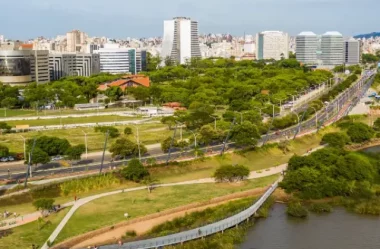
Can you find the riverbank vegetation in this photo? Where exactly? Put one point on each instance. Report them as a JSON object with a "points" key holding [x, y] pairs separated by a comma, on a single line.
{"points": [[335, 172]]}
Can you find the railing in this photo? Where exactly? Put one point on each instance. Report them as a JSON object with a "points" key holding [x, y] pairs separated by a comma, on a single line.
{"points": [[199, 232]]}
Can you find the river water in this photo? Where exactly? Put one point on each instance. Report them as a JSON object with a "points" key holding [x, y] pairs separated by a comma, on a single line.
{"points": [[337, 230], [375, 149]]}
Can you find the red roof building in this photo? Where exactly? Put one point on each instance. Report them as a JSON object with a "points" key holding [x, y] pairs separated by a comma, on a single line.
{"points": [[128, 81]]}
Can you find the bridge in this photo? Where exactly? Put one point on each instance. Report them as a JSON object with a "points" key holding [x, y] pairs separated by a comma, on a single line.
{"points": [[200, 232]]}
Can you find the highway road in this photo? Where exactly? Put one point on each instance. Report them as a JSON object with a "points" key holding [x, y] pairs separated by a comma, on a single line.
{"points": [[336, 109]]}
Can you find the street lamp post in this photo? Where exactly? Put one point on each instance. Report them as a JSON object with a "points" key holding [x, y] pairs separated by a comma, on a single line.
{"points": [[138, 140], [23, 138], [180, 128], [316, 116], [195, 142], [214, 122], [85, 142]]}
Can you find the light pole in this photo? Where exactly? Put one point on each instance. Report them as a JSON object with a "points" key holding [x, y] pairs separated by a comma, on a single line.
{"points": [[138, 140], [85, 142], [273, 109], [180, 128], [214, 122], [195, 143], [23, 138], [280, 104]]}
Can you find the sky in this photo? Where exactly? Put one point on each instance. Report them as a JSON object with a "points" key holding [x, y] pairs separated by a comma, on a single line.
{"points": [[144, 18]]}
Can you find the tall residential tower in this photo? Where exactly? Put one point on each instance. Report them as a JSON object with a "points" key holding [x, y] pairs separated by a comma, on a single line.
{"points": [[180, 41], [306, 48], [272, 45]]}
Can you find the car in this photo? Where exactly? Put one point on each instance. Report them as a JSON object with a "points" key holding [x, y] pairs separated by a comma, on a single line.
{"points": [[11, 158], [4, 159], [56, 158]]}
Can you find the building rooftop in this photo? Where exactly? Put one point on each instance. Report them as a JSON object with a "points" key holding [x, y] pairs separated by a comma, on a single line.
{"points": [[307, 33], [332, 33]]}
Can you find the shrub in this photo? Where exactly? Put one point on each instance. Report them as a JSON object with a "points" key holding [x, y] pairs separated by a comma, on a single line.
{"points": [[296, 209], [359, 132], [336, 139], [131, 233], [231, 173], [43, 204], [85, 185], [320, 208], [135, 171], [127, 130], [124, 147]]}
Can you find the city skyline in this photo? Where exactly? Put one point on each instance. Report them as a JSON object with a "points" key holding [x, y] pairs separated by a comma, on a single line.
{"points": [[51, 18]]}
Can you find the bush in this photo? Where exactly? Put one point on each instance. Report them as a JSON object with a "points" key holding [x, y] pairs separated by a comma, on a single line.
{"points": [[43, 204], [113, 132], [124, 147], [320, 208], [296, 209], [127, 130], [359, 132], [336, 139], [135, 171], [231, 173], [131, 234]]}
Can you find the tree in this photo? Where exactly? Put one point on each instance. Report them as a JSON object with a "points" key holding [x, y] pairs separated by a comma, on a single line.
{"points": [[112, 131], [207, 133], [114, 93], [165, 145], [39, 156], [355, 167], [245, 134], [359, 132], [150, 183], [140, 93], [336, 139], [75, 152], [231, 173], [52, 146], [135, 171], [9, 102], [376, 125], [124, 147], [152, 62], [128, 131], [169, 121], [4, 128], [4, 151], [297, 162], [43, 204]]}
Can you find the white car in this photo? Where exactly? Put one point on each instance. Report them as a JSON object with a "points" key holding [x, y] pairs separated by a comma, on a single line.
{"points": [[57, 158]]}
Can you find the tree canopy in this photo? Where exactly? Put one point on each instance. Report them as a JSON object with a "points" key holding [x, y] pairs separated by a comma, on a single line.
{"points": [[135, 171]]}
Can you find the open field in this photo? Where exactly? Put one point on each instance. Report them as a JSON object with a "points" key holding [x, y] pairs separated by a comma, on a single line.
{"points": [[30, 112], [110, 210], [27, 235], [148, 133], [66, 121]]}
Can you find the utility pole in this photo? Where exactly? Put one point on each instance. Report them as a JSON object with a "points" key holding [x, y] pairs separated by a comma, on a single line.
{"points": [[29, 168], [104, 151]]}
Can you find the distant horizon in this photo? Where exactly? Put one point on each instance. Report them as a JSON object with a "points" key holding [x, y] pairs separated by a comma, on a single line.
{"points": [[120, 19]]}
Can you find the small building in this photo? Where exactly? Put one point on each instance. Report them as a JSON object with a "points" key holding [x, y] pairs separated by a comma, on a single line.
{"points": [[127, 81], [154, 111], [91, 106]]}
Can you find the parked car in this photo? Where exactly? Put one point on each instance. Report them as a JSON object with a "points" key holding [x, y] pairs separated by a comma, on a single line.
{"points": [[56, 158], [4, 159], [11, 158]]}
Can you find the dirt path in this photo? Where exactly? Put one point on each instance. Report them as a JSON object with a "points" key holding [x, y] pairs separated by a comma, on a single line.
{"points": [[144, 225]]}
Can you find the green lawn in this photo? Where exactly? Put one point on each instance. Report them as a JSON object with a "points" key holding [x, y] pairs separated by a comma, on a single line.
{"points": [[110, 210], [29, 112], [66, 121], [148, 133], [27, 235]]}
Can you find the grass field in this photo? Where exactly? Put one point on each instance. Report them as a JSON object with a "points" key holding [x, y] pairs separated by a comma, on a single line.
{"points": [[66, 121], [27, 235], [29, 112], [110, 210], [148, 133]]}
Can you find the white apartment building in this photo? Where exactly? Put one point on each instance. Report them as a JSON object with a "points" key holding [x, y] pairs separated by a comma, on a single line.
{"points": [[272, 45], [116, 60], [332, 48], [180, 40], [39, 66], [352, 52], [306, 48], [76, 41]]}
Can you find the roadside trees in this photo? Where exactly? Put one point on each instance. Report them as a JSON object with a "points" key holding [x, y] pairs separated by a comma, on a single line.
{"points": [[135, 171], [245, 134], [359, 132], [128, 131], [113, 132], [44, 204], [39, 156], [124, 147], [75, 152]]}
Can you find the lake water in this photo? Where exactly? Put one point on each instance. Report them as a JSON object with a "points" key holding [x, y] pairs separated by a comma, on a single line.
{"points": [[337, 230], [375, 149]]}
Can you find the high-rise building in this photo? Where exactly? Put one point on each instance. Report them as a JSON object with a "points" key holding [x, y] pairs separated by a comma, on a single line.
{"points": [[306, 48], [39, 66], [332, 48], [352, 52], [76, 41], [180, 41], [74, 64], [272, 45], [117, 60]]}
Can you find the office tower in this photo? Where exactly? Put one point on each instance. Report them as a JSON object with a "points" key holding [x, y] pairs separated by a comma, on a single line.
{"points": [[39, 66], [332, 49], [306, 48], [76, 41], [141, 63], [15, 67], [180, 41], [272, 45], [352, 51], [74, 64], [249, 46]]}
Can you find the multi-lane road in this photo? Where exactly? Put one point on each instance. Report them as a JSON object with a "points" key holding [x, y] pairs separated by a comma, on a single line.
{"points": [[336, 109]]}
